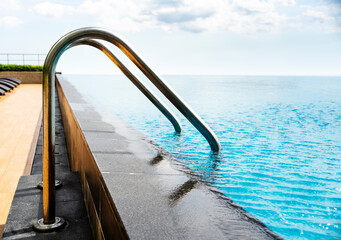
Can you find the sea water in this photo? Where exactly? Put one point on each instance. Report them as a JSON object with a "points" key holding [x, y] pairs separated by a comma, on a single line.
{"points": [[280, 137]]}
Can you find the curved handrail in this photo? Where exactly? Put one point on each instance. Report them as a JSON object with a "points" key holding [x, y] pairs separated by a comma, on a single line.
{"points": [[49, 220], [143, 88]]}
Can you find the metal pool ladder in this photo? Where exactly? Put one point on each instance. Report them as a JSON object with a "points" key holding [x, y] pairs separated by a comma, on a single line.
{"points": [[86, 36]]}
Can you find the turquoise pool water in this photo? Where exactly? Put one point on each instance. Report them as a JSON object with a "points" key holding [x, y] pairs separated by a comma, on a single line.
{"points": [[280, 137]]}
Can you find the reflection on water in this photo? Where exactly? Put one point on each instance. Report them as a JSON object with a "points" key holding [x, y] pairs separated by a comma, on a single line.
{"points": [[280, 137], [156, 159], [182, 191]]}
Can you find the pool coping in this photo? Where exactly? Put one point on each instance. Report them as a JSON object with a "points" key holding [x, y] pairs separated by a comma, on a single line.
{"points": [[134, 189]]}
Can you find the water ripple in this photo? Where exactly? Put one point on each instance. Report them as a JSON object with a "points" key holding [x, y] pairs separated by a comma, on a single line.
{"points": [[281, 141]]}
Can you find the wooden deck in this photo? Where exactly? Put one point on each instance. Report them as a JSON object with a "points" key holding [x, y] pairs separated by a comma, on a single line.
{"points": [[20, 120]]}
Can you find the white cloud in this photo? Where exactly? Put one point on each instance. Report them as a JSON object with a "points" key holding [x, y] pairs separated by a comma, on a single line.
{"points": [[10, 22], [246, 17], [54, 10], [124, 15], [9, 5], [252, 6], [317, 16], [285, 2], [325, 18], [254, 16], [187, 15], [183, 14]]}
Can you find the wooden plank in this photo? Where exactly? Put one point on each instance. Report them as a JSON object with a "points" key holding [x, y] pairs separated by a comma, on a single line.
{"points": [[2, 227], [30, 157], [20, 120]]}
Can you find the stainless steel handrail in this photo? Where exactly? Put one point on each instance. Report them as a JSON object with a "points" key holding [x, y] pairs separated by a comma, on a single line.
{"points": [[49, 220], [143, 88]]}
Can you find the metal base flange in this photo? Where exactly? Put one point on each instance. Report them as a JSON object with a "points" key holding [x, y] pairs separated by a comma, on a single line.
{"points": [[40, 226], [58, 184]]}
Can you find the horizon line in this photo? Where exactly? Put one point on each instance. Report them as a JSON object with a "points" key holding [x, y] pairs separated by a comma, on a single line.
{"points": [[210, 74]]}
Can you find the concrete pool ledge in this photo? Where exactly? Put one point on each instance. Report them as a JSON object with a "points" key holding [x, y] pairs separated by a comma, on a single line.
{"points": [[134, 189]]}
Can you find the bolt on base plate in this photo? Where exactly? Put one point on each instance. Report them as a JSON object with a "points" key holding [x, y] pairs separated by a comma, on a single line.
{"points": [[40, 226], [58, 183]]}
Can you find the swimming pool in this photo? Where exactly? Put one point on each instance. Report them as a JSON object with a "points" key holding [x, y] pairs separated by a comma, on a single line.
{"points": [[280, 137]]}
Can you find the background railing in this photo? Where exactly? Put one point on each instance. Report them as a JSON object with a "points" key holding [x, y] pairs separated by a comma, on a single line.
{"points": [[22, 58]]}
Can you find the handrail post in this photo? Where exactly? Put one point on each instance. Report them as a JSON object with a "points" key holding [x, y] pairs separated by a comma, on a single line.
{"points": [[49, 222]]}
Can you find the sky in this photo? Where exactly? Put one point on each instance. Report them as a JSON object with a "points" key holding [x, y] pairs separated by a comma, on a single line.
{"points": [[216, 37]]}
